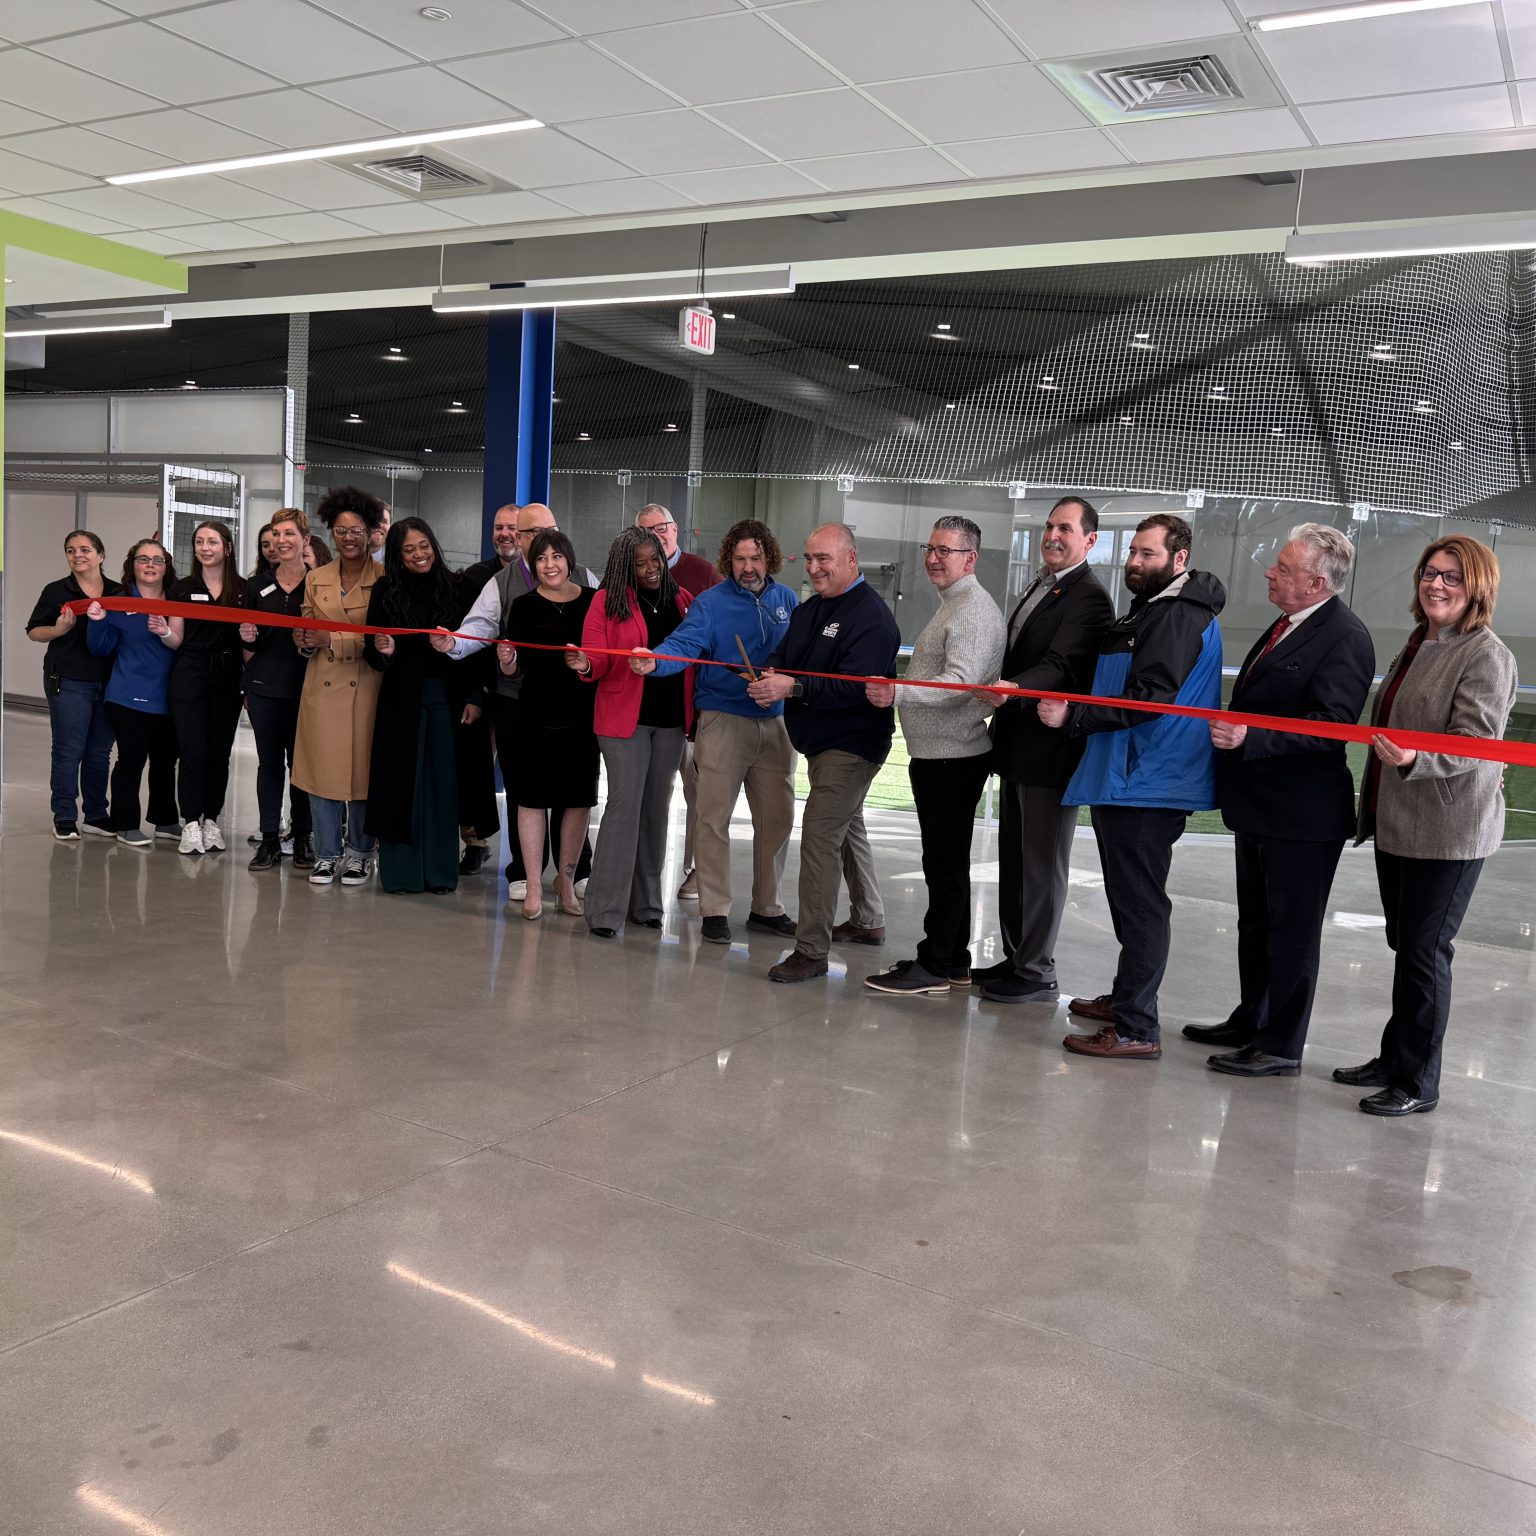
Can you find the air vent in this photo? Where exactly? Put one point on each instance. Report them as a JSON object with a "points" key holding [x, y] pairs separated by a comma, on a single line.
{"points": [[428, 176], [1168, 85]]}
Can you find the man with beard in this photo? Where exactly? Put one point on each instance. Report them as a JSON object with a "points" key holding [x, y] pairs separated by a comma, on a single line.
{"points": [[1143, 773]]}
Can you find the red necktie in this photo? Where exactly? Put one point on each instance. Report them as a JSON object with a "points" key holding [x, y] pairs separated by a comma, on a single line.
{"points": [[1275, 635]]}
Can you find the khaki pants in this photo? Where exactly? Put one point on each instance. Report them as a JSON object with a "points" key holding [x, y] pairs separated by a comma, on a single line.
{"points": [[833, 844], [732, 752]]}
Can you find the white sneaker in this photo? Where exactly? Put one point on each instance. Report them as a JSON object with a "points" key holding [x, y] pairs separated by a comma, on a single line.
{"points": [[213, 839], [191, 838], [517, 890]]}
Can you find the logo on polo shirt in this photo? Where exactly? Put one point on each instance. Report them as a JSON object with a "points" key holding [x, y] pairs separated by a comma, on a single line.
{"points": [[830, 632]]}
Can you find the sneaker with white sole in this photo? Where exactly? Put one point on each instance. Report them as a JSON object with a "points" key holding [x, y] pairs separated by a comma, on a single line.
{"points": [[323, 873], [168, 831], [517, 890], [355, 869], [100, 827], [213, 839], [66, 832], [191, 838], [135, 837]]}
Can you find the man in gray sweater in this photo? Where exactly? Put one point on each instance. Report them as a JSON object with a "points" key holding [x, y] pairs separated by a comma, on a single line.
{"points": [[950, 751]]}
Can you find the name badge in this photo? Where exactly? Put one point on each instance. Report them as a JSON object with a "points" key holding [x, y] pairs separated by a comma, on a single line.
{"points": [[268, 591], [200, 597]]}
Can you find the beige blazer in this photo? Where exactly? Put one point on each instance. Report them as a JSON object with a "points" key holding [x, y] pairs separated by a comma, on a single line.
{"points": [[341, 692], [1441, 806]]}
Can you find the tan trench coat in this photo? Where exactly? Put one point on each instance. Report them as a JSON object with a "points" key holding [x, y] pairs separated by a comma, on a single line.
{"points": [[341, 692]]}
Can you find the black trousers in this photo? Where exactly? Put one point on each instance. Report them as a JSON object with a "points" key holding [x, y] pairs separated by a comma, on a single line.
{"points": [[205, 704], [1135, 854], [945, 791], [274, 724], [474, 763], [142, 737], [1425, 901], [506, 714], [1282, 898]]}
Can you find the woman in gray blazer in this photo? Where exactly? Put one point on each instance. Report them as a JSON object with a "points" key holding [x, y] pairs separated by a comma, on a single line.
{"points": [[1435, 816]]}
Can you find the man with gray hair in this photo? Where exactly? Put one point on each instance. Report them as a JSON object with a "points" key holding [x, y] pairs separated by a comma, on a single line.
{"points": [[1289, 800]]}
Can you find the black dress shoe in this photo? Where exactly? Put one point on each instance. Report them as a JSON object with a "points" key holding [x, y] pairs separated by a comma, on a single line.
{"points": [[1219, 1034], [1018, 989], [1252, 1062], [999, 972], [648, 922], [603, 933], [1371, 1075], [1395, 1101], [783, 924]]}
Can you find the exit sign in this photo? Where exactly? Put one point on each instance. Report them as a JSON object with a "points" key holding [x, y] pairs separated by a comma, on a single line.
{"points": [[696, 328]]}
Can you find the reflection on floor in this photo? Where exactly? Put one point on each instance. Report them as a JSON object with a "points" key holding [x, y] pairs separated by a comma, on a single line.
{"points": [[328, 1211]]}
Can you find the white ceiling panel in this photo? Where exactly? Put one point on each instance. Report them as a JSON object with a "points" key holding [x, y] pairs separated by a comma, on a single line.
{"points": [[1473, 109], [793, 127], [587, 16], [660, 142], [503, 208], [294, 119], [906, 37], [1527, 91], [306, 226], [1036, 154], [44, 85], [121, 204], [476, 26], [416, 99], [894, 168], [34, 208], [404, 218], [636, 195], [561, 82], [25, 21], [1209, 134], [542, 157], [981, 103], [81, 150], [313, 185], [162, 245], [1054, 29], [147, 7], [744, 184], [1387, 55], [21, 174], [719, 58], [182, 135], [217, 197], [145, 58], [221, 237], [19, 120], [287, 38], [1520, 26]]}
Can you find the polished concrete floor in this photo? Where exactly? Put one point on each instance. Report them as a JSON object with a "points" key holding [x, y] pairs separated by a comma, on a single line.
{"points": [[327, 1211]]}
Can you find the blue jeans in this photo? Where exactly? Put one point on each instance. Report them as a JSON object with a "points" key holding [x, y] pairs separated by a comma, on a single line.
{"points": [[82, 748], [327, 816]]}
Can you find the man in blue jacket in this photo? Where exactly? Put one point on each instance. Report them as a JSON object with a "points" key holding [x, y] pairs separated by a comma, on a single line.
{"points": [[844, 628], [738, 743], [1144, 773]]}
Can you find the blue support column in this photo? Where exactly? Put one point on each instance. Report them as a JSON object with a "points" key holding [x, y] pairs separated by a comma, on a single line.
{"points": [[519, 411]]}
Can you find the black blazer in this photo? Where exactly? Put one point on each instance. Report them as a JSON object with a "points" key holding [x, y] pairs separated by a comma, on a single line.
{"points": [[1058, 647], [1298, 788]]}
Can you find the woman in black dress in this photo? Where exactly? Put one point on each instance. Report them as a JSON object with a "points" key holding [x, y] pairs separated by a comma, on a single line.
{"points": [[557, 749]]}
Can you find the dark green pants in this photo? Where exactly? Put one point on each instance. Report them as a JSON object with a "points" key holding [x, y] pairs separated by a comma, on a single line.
{"points": [[430, 861]]}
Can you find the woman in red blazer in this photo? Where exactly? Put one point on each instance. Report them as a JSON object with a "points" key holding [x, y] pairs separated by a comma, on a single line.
{"points": [[641, 723]]}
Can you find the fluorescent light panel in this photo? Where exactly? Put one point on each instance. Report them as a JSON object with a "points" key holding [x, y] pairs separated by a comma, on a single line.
{"points": [[644, 290], [324, 152], [79, 325], [1422, 240], [1365, 8]]}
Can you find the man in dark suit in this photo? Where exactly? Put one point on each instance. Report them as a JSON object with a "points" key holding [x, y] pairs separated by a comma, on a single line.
{"points": [[1053, 642], [1289, 800]]}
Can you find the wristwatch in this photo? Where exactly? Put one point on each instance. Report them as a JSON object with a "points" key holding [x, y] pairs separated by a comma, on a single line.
{"points": [[797, 690]]}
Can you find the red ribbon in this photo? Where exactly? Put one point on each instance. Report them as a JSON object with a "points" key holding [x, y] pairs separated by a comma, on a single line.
{"points": [[1518, 753]]}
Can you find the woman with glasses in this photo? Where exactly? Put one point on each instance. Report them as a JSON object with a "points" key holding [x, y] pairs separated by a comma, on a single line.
{"points": [[143, 650], [1435, 816], [74, 682]]}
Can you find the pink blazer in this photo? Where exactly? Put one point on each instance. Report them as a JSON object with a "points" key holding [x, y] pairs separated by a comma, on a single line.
{"points": [[617, 707]]}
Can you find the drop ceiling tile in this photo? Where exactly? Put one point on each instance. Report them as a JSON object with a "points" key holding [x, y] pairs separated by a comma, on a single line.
{"points": [[81, 150], [744, 184], [146, 7], [894, 168], [217, 197], [589, 16], [35, 208], [222, 237], [477, 26], [20, 174], [1211, 134], [405, 218], [182, 135], [1386, 54], [542, 157], [313, 185], [1520, 26], [561, 82], [417, 99], [1527, 91], [26, 21], [794, 126], [503, 208], [162, 245], [661, 142], [722, 58], [306, 227], [634, 195], [146, 58], [127, 207], [906, 38], [287, 38], [41, 84], [294, 119], [1472, 109], [981, 103], [1037, 154], [20, 120], [1053, 29]]}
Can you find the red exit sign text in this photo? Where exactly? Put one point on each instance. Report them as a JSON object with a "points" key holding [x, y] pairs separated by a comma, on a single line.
{"points": [[696, 329]]}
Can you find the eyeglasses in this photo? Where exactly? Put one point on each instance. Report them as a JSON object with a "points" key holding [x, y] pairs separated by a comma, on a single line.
{"points": [[149, 559], [943, 551], [1450, 580], [651, 528]]}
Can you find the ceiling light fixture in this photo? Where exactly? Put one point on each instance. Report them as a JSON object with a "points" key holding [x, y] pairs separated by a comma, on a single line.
{"points": [[1457, 447], [942, 336], [949, 405], [727, 316], [1420, 240], [322, 152], [190, 384], [584, 437], [82, 325], [1127, 421], [645, 290], [1359, 11], [1423, 408], [943, 325], [1142, 341], [435, 13], [853, 367], [671, 426], [354, 417]]}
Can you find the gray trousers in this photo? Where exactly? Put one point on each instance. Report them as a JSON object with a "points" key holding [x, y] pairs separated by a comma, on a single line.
{"points": [[632, 837], [833, 846], [1034, 856]]}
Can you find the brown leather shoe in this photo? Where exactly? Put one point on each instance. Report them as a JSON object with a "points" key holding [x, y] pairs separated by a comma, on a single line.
{"points": [[797, 967], [851, 933], [1092, 1008], [1110, 1042]]}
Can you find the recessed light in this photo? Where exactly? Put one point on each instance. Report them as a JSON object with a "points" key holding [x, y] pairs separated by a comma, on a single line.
{"points": [[727, 316], [1458, 447], [584, 437], [1423, 408], [1048, 382], [949, 405], [190, 384], [853, 367], [1143, 342], [943, 325], [395, 350], [671, 426], [1127, 421], [354, 417], [1277, 431], [426, 450], [459, 403]]}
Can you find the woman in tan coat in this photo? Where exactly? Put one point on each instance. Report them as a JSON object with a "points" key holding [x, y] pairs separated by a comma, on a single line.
{"points": [[341, 692]]}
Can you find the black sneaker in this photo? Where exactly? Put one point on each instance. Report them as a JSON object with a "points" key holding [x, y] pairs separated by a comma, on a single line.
{"points": [[323, 873], [303, 850], [717, 930], [100, 827], [66, 832], [475, 857], [783, 924], [908, 979], [268, 855]]}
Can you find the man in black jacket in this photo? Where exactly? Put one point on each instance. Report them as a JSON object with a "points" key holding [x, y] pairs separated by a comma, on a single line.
{"points": [[844, 628], [1289, 800], [1053, 642]]}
